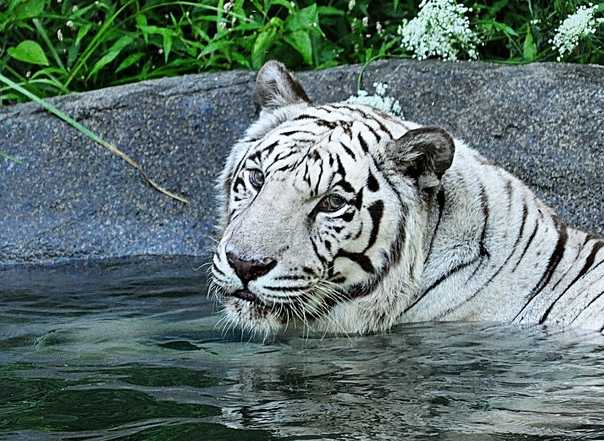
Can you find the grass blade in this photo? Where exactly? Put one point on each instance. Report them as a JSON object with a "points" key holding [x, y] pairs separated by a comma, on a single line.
{"points": [[93, 136], [9, 158]]}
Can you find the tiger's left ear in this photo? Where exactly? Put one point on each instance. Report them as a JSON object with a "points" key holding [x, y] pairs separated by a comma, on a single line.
{"points": [[424, 154], [276, 87]]}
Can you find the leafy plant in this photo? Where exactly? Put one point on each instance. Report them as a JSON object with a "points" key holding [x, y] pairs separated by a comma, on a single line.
{"points": [[52, 47]]}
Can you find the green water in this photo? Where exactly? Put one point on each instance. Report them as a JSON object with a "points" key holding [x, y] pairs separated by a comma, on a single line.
{"points": [[130, 350]]}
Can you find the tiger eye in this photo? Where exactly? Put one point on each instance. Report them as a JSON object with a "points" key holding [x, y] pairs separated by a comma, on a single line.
{"points": [[257, 179], [332, 202]]}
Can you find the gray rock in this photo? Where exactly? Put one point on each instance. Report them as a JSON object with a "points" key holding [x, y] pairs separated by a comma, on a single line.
{"points": [[71, 199]]}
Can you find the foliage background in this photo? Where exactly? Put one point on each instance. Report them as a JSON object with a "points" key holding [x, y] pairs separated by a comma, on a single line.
{"points": [[54, 47]]}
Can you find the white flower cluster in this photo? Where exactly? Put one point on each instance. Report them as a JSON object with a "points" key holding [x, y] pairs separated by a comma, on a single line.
{"points": [[378, 101], [575, 27], [441, 29]]}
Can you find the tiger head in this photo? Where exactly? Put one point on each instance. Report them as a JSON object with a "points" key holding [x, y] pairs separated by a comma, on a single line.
{"points": [[323, 213]]}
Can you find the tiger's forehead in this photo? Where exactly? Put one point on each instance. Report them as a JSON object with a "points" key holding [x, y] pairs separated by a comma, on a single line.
{"points": [[338, 129], [323, 145]]}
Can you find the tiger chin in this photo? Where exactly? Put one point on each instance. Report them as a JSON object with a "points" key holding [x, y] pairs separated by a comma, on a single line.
{"points": [[341, 219]]}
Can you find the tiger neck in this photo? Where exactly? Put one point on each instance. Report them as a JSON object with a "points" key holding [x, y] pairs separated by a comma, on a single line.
{"points": [[493, 250]]}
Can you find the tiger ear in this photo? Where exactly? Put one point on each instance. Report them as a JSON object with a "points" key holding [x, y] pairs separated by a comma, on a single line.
{"points": [[424, 154], [276, 87]]}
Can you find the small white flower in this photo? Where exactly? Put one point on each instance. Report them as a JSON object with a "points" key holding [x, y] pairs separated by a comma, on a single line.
{"points": [[379, 29], [378, 101], [59, 34], [351, 5], [380, 88], [28, 74], [574, 28], [227, 7], [69, 24], [160, 51], [365, 21], [75, 8], [441, 29]]}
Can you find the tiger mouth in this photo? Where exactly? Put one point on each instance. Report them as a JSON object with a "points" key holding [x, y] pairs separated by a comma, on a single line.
{"points": [[246, 294], [251, 298], [283, 311]]}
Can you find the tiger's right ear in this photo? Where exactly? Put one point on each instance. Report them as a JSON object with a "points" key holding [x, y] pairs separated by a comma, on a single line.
{"points": [[424, 154], [276, 87]]}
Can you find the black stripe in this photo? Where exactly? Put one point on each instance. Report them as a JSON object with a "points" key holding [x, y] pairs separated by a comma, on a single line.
{"points": [[588, 263], [570, 268], [292, 277], [553, 262], [362, 260], [383, 128], [358, 200], [308, 270], [507, 260], [484, 203], [522, 225], [376, 211], [319, 256], [286, 288], [482, 248], [372, 183], [444, 277], [363, 143], [346, 186], [373, 132], [441, 206], [528, 244], [347, 150], [587, 306]]}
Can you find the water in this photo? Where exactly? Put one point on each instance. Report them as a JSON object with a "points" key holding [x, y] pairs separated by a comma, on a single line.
{"points": [[129, 350]]}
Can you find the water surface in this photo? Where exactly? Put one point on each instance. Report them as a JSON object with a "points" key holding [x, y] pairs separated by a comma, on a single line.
{"points": [[130, 350]]}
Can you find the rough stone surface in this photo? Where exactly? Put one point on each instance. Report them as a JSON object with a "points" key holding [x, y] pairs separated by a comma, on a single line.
{"points": [[71, 199]]}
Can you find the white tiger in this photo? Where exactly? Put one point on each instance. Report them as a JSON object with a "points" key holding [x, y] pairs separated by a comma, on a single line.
{"points": [[340, 218]]}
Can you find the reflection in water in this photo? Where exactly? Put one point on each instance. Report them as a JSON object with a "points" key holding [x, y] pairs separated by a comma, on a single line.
{"points": [[129, 350]]}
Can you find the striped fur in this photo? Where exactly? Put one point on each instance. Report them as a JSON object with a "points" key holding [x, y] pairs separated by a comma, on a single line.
{"points": [[418, 238]]}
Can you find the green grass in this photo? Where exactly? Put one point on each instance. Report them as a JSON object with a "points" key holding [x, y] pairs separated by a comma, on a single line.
{"points": [[50, 47]]}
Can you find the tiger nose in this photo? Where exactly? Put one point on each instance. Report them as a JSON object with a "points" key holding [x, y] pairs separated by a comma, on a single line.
{"points": [[250, 269]]}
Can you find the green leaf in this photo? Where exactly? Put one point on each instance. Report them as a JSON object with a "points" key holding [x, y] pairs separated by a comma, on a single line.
{"points": [[30, 52], [82, 33], [300, 40], [529, 50], [167, 40], [29, 9], [263, 42], [111, 54], [129, 61], [214, 46], [141, 22], [305, 19], [330, 10], [283, 3]]}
